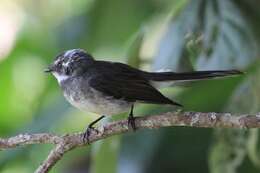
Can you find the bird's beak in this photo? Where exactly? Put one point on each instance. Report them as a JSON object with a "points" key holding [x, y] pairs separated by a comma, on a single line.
{"points": [[48, 69]]}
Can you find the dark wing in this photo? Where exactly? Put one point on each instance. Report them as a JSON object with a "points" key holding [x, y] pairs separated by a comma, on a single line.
{"points": [[122, 82]]}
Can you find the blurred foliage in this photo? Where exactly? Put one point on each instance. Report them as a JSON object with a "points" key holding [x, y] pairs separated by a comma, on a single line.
{"points": [[180, 35]]}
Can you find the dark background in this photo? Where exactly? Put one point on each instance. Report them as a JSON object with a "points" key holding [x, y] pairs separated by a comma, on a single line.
{"points": [[180, 35]]}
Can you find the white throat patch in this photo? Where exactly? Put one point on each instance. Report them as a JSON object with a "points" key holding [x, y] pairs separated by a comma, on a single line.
{"points": [[59, 77]]}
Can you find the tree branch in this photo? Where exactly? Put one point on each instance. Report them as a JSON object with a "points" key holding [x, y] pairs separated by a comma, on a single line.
{"points": [[68, 142]]}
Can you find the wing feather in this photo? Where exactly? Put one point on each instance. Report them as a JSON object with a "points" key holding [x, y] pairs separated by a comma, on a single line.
{"points": [[124, 83]]}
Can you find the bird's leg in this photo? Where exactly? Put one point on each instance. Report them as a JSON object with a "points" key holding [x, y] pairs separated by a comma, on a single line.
{"points": [[131, 119], [90, 127]]}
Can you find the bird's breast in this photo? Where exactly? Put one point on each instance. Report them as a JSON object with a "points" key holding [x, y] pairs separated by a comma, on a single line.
{"points": [[87, 99]]}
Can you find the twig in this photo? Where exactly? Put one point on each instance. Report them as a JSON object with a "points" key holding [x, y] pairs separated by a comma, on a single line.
{"points": [[68, 142]]}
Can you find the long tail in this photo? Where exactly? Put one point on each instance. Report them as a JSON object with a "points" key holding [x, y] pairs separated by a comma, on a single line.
{"points": [[196, 75]]}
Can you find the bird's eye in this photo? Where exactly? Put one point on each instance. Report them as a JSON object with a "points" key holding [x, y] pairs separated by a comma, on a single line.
{"points": [[59, 64]]}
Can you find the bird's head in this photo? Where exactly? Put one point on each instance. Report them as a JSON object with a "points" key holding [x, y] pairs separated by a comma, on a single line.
{"points": [[70, 63]]}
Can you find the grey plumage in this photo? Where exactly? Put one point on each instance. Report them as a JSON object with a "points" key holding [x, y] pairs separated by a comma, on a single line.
{"points": [[81, 95], [109, 88]]}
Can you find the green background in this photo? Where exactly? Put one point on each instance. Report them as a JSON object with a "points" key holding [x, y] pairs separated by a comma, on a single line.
{"points": [[180, 35]]}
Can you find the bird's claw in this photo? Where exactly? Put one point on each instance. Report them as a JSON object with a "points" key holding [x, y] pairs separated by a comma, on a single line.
{"points": [[131, 123], [87, 134]]}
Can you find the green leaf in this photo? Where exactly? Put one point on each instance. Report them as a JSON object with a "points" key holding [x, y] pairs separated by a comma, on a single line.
{"points": [[228, 42], [172, 54], [226, 39], [133, 50]]}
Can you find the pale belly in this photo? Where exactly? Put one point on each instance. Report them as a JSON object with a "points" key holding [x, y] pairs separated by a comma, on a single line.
{"points": [[95, 102]]}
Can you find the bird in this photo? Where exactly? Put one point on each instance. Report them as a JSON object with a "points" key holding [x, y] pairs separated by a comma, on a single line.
{"points": [[109, 88]]}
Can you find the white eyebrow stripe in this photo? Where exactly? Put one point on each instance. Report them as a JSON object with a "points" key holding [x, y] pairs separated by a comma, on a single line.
{"points": [[68, 53]]}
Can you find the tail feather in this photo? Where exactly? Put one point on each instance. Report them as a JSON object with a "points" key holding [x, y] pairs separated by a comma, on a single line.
{"points": [[196, 75]]}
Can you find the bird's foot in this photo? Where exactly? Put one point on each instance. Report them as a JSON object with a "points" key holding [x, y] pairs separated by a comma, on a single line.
{"points": [[87, 134], [89, 130], [131, 123]]}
